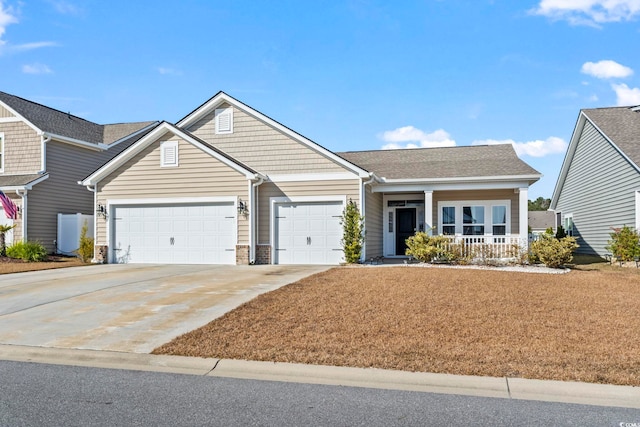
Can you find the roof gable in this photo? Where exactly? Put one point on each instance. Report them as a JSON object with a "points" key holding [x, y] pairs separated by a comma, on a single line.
{"points": [[619, 126], [159, 131], [222, 98], [480, 161]]}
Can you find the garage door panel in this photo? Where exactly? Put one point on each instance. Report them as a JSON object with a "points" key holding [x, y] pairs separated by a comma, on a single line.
{"points": [[184, 234], [308, 233]]}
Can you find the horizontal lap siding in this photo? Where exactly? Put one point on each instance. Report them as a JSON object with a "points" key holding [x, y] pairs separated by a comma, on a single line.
{"points": [[348, 188], [452, 196], [21, 149], [599, 190], [374, 223], [263, 147], [198, 175]]}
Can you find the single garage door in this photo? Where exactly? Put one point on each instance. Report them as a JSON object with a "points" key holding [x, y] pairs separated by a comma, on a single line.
{"points": [[175, 234], [308, 233]]}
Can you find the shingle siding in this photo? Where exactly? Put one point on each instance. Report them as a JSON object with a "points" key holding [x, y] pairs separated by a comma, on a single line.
{"points": [[198, 175], [599, 190], [4, 112], [21, 149], [263, 147]]}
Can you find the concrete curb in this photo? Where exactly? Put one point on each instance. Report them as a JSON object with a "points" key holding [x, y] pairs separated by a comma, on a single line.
{"points": [[513, 388]]}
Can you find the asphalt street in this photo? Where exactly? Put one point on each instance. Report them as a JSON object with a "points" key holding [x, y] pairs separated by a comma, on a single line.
{"points": [[53, 395]]}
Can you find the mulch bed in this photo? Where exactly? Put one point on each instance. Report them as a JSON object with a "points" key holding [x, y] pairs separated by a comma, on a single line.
{"points": [[581, 326], [13, 265]]}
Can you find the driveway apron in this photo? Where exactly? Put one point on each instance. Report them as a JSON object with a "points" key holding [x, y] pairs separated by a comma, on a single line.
{"points": [[129, 308]]}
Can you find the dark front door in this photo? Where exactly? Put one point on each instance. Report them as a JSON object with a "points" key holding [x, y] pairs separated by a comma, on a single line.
{"points": [[405, 228]]}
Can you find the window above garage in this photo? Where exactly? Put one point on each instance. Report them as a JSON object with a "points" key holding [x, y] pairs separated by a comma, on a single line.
{"points": [[169, 154]]}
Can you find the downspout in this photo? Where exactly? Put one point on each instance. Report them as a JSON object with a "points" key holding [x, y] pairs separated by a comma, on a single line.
{"points": [[253, 219], [43, 153], [24, 213], [363, 197], [93, 189]]}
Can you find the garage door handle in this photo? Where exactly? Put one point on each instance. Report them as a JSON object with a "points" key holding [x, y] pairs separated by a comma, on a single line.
{"points": [[172, 241], [308, 240]]}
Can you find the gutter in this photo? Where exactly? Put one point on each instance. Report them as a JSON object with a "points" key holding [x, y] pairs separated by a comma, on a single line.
{"points": [[43, 152]]}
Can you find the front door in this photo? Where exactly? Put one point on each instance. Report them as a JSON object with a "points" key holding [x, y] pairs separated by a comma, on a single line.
{"points": [[405, 228]]}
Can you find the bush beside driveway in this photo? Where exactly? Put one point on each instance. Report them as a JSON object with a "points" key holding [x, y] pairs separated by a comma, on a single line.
{"points": [[581, 326]]}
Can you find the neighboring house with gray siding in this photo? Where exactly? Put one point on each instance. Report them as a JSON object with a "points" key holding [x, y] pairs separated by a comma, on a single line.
{"points": [[230, 185], [599, 184], [43, 154]]}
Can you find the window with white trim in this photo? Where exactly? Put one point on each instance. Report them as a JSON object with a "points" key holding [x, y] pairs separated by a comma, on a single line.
{"points": [[1, 152], [224, 120], [475, 218], [568, 224], [169, 154]]}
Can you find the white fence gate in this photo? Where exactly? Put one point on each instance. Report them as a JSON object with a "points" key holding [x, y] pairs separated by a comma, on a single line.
{"points": [[69, 228]]}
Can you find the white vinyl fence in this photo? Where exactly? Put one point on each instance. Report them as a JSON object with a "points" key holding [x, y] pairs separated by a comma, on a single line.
{"points": [[69, 228]]}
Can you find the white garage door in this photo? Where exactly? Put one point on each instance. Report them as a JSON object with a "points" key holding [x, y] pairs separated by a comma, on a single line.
{"points": [[308, 233], [175, 234]]}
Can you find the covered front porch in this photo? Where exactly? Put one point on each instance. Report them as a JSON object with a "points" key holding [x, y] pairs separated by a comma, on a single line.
{"points": [[479, 222]]}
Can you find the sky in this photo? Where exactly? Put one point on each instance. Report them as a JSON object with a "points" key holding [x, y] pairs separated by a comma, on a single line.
{"points": [[349, 75]]}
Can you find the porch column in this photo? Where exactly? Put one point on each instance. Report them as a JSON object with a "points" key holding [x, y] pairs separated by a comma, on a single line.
{"points": [[523, 216], [428, 212]]}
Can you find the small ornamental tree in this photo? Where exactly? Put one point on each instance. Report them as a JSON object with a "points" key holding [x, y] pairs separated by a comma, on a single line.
{"points": [[85, 248], [352, 233], [624, 243], [4, 229]]}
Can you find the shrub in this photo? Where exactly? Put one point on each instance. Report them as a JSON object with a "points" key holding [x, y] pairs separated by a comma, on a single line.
{"points": [[427, 248], [352, 233], [28, 251], [85, 248], [624, 243], [553, 252], [560, 233]]}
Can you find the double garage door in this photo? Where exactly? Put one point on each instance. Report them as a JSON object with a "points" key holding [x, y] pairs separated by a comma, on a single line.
{"points": [[308, 233], [175, 234]]}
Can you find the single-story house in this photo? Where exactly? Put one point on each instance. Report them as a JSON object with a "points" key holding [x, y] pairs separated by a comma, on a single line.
{"points": [[599, 184], [228, 184], [43, 154]]}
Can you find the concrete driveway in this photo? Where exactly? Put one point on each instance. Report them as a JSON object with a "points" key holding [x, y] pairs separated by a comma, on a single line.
{"points": [[129, 308]]}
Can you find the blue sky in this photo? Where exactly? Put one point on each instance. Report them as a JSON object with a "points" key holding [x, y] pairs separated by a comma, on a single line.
{"points": [[350, 75]]}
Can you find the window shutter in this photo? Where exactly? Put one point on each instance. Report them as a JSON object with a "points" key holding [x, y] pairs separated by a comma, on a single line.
{"points": [[224, 120]]}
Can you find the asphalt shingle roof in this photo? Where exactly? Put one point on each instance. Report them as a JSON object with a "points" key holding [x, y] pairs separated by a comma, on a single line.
{"points": [[621, 125], [17, 180], [64, 124], [438, 163]]}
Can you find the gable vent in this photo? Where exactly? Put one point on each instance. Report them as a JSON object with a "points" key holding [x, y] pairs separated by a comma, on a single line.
{"points": [[224, 120], [169, 154]]}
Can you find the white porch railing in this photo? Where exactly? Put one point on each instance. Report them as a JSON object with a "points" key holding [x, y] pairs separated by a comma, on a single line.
{"points": [[486, 247]]}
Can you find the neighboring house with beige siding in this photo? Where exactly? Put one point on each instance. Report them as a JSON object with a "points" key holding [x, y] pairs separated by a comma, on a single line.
{"points": [[599, 184], [228, 184], [43, 154]]}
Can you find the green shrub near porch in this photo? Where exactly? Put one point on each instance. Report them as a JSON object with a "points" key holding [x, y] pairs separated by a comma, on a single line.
{"points": [[426, 248], [27, 251]]}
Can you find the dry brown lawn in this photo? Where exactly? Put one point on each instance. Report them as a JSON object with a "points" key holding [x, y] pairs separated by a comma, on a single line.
{"points": [[10, 265], [581, 326]]}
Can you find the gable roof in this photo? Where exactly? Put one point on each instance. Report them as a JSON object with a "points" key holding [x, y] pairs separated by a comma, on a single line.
{"points": [[620, 126], [222, 98], [478, 161], [152, 136], [57, 123]]}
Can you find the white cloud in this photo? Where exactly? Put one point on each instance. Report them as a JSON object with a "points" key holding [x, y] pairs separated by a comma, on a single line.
{"points": [[537, 148], [7, 18], [589, 12], [169, 71], [415, 138], [626, 95], [606, 69], [36, 69], [65, 7]]}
